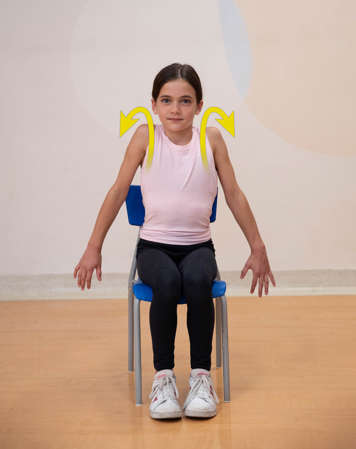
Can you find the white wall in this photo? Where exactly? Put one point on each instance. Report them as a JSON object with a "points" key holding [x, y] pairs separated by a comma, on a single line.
{"points": [[69, 68]]}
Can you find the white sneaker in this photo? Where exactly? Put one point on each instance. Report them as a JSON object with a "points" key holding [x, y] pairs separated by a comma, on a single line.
{"points": [[202, 398], [164, 396]]}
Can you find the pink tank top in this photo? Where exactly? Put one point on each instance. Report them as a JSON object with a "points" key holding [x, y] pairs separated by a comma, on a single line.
{"points": [[177, 191]]}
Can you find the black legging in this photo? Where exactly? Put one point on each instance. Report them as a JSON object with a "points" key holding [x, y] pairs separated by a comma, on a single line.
{"points": [[173, 271]]}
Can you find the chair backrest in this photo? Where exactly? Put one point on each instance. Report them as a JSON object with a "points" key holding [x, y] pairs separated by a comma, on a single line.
{"points": [[136, 210]]}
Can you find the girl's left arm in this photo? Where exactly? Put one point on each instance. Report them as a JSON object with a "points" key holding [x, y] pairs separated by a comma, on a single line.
{"points": [[240, 208]]}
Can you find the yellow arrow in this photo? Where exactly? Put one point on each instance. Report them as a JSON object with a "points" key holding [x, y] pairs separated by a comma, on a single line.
{"points": [[127, 121], [228, 122]]}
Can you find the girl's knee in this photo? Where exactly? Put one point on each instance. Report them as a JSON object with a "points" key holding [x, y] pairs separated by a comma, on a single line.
{"points": [[169, 279], [196, 279], [197, 287], [167, 286]]}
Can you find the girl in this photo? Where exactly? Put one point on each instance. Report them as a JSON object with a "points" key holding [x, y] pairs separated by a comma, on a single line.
{"points": [[175, 253]]}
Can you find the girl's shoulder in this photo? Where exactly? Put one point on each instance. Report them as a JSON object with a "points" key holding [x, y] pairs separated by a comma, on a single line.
{"points": [[145, 129], [213, 134], [144, 133]]}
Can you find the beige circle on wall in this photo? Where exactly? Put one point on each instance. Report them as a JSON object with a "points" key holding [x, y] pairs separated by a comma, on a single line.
{"points": [[304, 71]]}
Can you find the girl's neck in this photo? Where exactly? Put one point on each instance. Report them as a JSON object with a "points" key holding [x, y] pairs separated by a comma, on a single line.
{"points": [[182, 137]]}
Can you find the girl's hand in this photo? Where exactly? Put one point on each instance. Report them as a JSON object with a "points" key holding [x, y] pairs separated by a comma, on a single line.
{"points": [[90, 260], [258, 263]]}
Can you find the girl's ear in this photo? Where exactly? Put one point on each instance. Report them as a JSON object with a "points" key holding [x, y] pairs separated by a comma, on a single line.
{"points": [[199, 107], [153, 105]]}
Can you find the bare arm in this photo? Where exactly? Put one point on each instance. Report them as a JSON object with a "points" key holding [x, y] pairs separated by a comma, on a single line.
{"points": [[242, 212], [113, 201], [117, 194], [240, 208], [234, 196]]}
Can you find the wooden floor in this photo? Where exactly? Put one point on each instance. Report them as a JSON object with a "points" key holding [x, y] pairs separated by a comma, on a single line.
{"points": [[64, 381]]}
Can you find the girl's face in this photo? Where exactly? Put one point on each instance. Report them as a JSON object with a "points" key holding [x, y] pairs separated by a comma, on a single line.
{"points": [[176, 105]]}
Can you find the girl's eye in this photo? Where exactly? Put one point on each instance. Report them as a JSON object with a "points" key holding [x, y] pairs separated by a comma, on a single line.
{"points": [[185, 100]]}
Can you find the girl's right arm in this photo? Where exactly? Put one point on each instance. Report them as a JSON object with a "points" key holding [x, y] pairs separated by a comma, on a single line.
{"points": [[114, 199]]}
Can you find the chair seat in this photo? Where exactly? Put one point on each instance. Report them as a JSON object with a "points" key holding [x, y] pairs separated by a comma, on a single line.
{"points": [[143, 292]]}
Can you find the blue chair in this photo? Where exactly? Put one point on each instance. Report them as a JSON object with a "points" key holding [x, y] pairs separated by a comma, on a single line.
{"points": [[138, 291]]}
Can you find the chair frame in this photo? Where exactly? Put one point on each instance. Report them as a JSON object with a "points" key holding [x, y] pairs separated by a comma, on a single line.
{"points": [[134, 323], [134, 340]]}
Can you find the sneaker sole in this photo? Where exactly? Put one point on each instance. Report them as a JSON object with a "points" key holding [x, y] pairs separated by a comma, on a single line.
{"points": [[200, 413], [165, 415]]}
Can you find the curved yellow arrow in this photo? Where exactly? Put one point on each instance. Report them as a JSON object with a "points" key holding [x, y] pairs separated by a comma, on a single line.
{"points": [[127, 121], [228, 122]]}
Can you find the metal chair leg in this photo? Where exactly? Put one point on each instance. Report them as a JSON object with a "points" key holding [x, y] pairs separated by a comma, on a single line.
{"points": [[131, 328], [218, 331], [137, 343], [225, 344], [131, 281]]}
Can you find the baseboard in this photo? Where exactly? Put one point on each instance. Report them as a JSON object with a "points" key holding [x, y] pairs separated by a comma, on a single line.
{"points": [[114, 285]]}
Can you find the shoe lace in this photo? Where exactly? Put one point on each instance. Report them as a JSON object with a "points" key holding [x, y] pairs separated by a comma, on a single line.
{"points": [[165, 387], [204, 388]]}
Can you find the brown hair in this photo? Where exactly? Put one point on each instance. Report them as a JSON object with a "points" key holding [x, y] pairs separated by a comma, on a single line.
{"points": [[177, 71]]}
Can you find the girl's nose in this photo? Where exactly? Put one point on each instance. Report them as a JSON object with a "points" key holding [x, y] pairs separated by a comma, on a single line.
{"points": [[175, 107]]}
